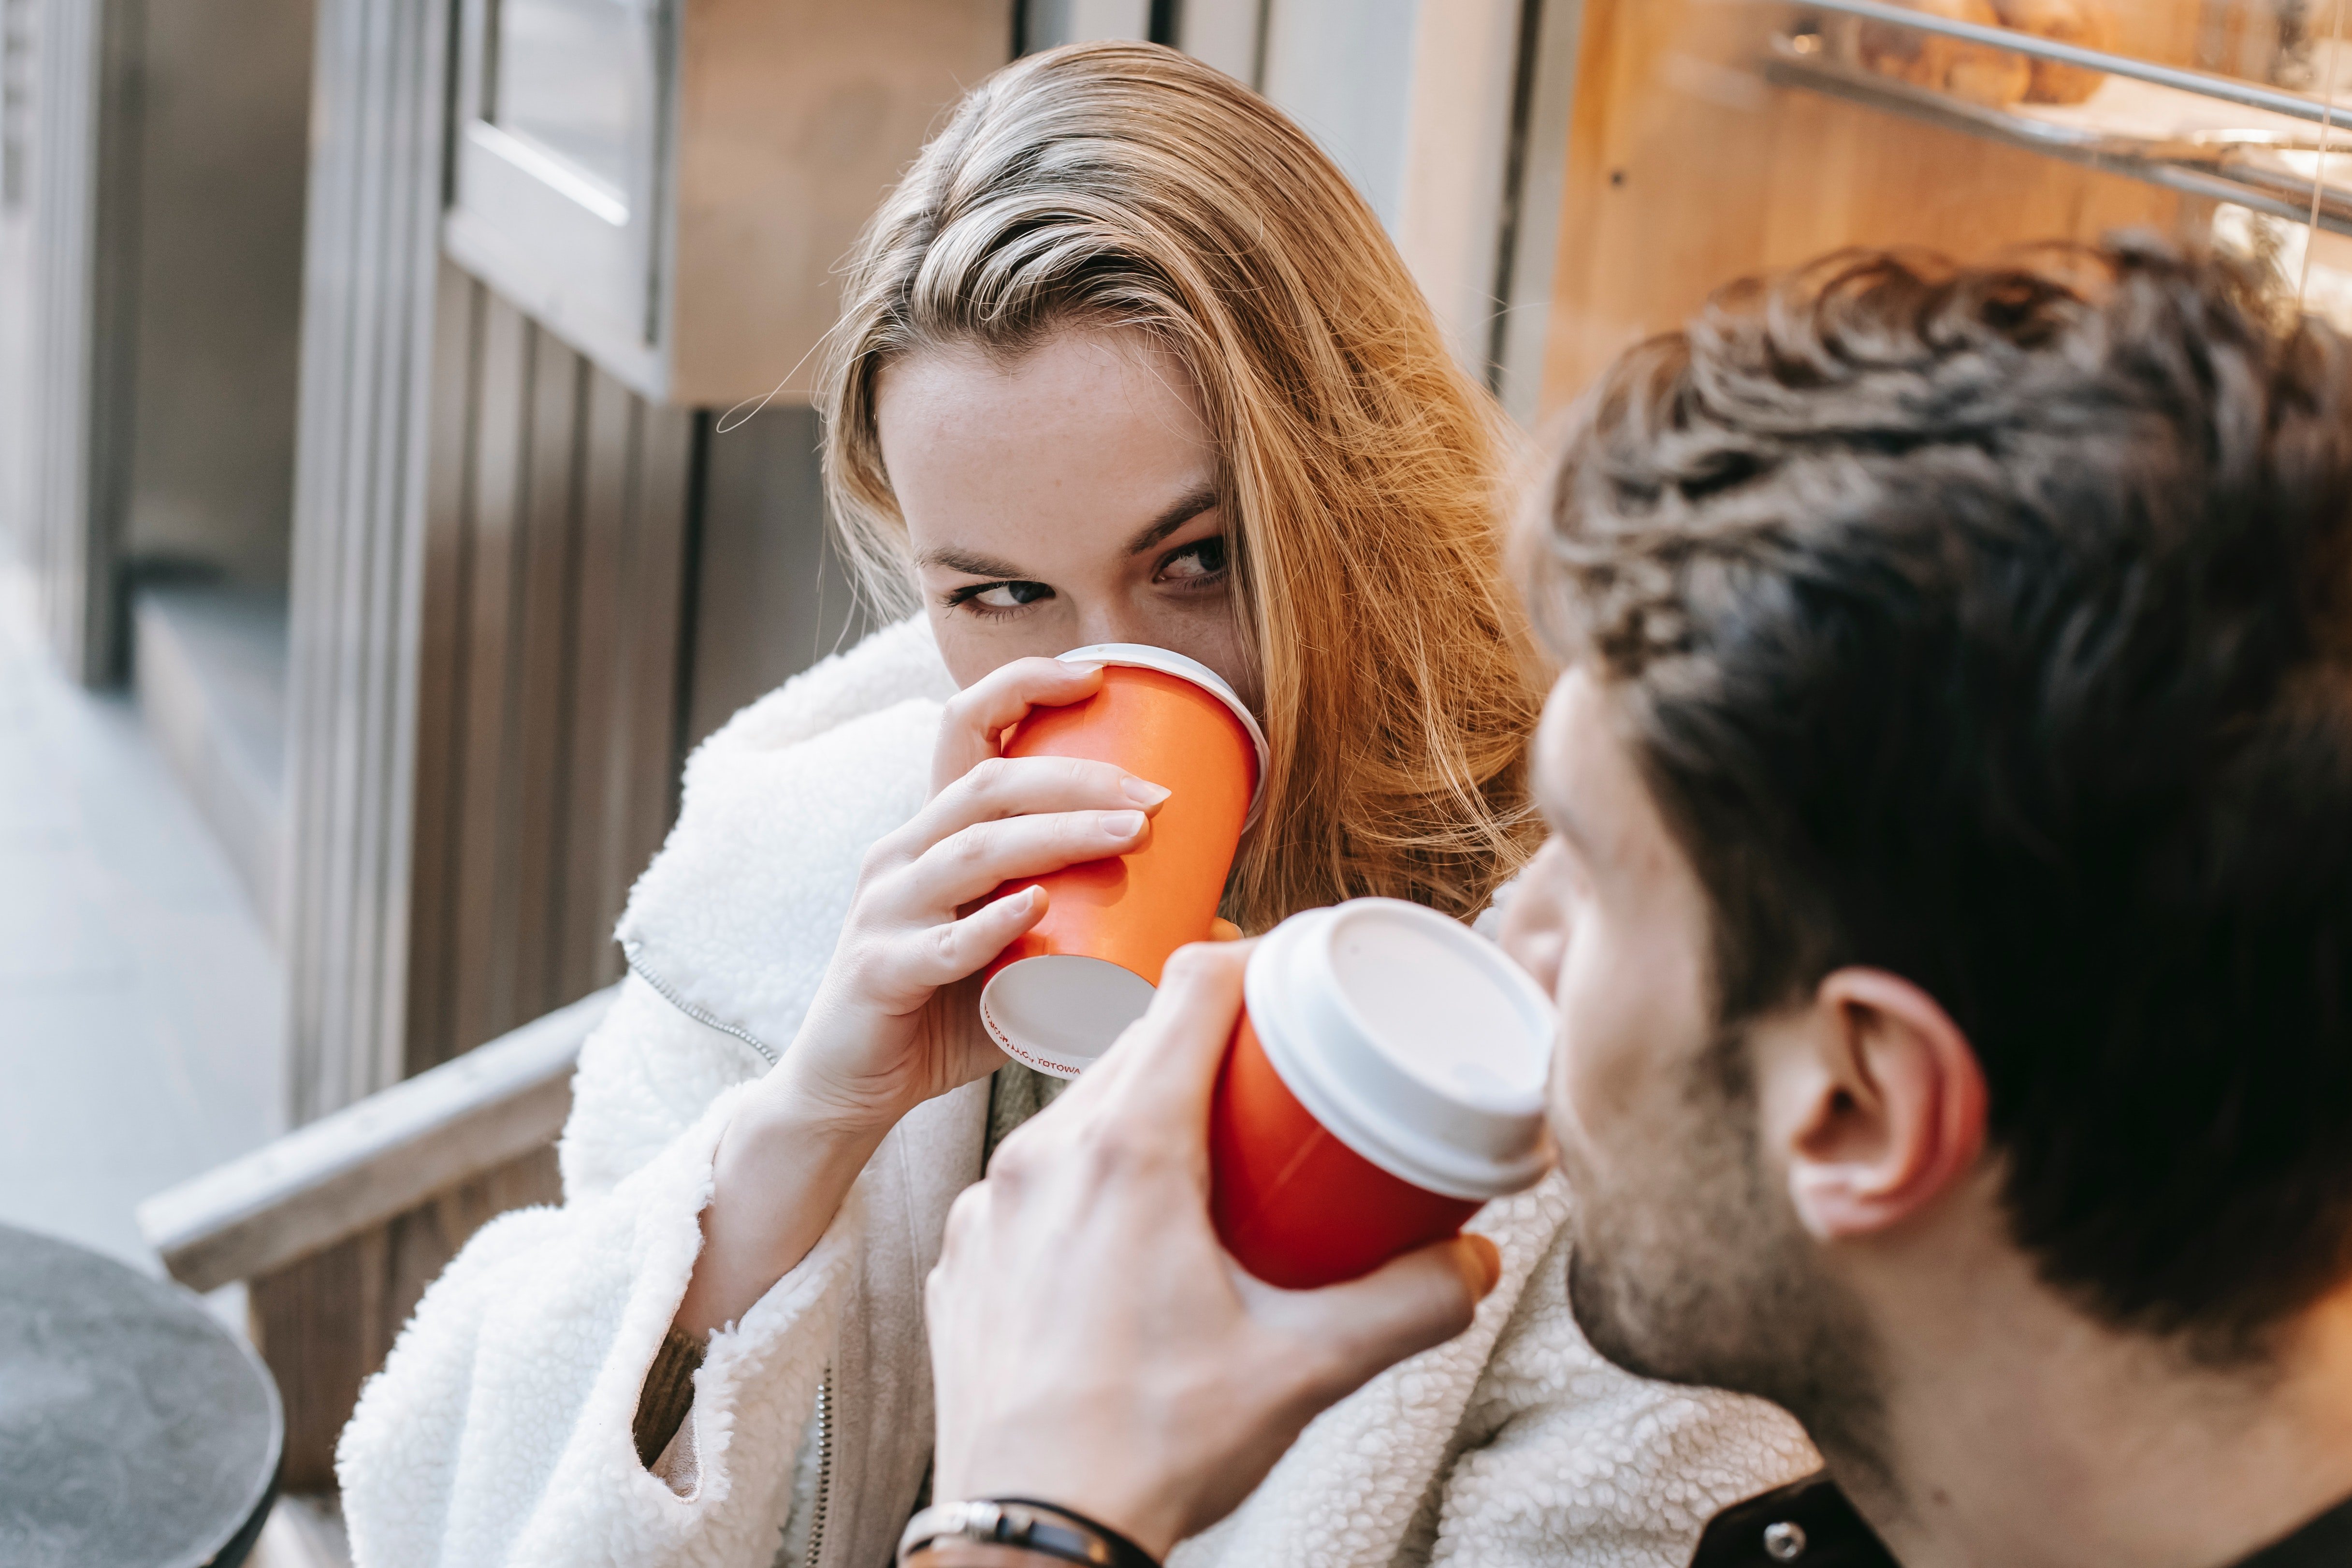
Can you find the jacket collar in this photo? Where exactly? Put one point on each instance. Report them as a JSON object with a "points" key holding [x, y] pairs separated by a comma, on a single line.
{"points": [[735, 921], [1809, 1524]]}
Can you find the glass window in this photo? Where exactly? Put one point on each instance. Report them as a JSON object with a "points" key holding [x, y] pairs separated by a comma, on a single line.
{"points": [[570, 79]]}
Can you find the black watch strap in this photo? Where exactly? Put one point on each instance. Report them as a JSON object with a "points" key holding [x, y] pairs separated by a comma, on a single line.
{"points": [[1044, 1527]]}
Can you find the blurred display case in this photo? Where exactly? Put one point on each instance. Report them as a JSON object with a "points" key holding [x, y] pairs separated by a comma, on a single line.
{"points": [[668, 184], [1717, 138]]}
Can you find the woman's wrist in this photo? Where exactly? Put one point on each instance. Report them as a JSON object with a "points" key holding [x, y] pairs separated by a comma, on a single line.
{"points": [[826, 1083], [801, 1100], [783, 1166], [799, 1106]]}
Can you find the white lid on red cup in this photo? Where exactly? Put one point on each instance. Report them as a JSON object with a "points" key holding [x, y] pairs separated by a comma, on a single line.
{"points": [[1412, 1039], [1168, 661]]}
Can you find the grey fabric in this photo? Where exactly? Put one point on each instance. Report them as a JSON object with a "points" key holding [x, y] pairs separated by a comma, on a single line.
{"points": [[881, 1374], [1014, 1095]]}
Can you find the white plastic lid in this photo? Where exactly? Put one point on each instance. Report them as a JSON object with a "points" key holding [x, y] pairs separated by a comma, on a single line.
{"points": [[1413, 1040], [1059, 1011], [1168, 661]]}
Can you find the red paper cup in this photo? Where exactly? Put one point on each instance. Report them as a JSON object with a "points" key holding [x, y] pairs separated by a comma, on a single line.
{"points": [[1385, 1081], [1060, 994]]}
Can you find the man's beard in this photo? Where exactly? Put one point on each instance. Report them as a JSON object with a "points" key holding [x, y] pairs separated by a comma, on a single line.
{"points": [[1703, 1276]]}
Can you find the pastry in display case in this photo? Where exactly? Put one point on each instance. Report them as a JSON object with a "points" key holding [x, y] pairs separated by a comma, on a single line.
{"points": [[2091, 23], [1942, 64], [1985, 73], [2193, 129]]}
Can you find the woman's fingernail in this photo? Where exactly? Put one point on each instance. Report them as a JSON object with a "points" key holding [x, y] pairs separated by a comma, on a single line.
{"points": [[1484, 1269], [1123, 823], [1143, 792]]}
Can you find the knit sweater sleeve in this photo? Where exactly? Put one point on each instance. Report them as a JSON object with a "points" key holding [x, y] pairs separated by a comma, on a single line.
{"points": [[501, 1430], [503, 1427]]}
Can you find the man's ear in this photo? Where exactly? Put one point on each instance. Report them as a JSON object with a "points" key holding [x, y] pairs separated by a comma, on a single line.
{"points": [[1883, 1111]]}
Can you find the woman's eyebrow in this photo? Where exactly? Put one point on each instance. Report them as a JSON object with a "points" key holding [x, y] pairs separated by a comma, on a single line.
{"points": [[954, 559], [950, 558], [1191, 506]]}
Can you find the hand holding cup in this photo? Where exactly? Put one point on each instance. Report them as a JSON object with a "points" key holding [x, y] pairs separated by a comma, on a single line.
{"points": [[894, 1022], [891, 1026], [1091, 1344], [1386, 1082]]}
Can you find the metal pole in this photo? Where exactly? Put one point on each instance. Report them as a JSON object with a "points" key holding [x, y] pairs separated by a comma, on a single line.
{"points": [[2205, 84]]}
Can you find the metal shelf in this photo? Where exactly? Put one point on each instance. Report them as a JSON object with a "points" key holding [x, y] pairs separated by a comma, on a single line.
{"points": [[2198, 83], [2256, 154]]}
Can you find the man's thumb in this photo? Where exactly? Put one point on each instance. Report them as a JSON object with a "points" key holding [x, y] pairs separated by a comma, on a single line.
{"points": [[1402, 1307]]}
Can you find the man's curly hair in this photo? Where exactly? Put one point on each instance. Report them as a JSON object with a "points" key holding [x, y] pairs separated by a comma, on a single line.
{"points": [[1989, 624]]}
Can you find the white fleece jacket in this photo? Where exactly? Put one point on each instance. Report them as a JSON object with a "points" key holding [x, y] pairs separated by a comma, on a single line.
{"points": [[499, 1431]]}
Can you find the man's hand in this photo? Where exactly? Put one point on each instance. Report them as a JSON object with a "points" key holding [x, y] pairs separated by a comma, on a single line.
{"points": [[1093, 1345]]}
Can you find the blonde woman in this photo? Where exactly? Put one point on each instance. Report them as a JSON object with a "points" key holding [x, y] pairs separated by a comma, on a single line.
{"points": [[1124, 359]]}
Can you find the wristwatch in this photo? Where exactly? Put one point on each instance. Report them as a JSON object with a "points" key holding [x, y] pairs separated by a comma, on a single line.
{"points": [[1046, 1528]]}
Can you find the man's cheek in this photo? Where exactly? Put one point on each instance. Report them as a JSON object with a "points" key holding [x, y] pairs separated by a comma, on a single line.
{"points": [[1535, 925], [1622, 1028], [1538, 951], [1603, 1062], [1588, 1096], [1566, 1136]]}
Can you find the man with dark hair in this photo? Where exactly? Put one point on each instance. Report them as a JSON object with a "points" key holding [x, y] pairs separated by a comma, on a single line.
{"points": [[1950, 907]]}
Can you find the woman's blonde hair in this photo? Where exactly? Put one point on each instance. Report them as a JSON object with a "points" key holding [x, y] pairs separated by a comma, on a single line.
{"points": [[1126, 186]]}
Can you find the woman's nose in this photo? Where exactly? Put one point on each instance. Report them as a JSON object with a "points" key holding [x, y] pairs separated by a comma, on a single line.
{"points": [[1112, 624]]}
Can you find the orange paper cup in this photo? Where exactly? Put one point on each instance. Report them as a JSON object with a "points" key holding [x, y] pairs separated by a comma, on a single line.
{"points": [[1385, 1081], [1060, 994]]}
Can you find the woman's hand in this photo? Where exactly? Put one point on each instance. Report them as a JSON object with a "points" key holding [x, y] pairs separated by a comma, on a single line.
{"points": [[896, 1020], [892, 1025]]}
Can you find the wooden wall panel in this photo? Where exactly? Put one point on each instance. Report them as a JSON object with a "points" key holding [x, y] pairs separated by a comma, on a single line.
{"points": [[556, 550], [471, 700], [625, 748], [774, 595], [1687, 169], [533, 768], [447, 638], [598, 788]]}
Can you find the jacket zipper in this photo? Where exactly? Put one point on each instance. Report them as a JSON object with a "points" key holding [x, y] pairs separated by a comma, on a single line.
{"points": [[629, 950], [823, 1468]]}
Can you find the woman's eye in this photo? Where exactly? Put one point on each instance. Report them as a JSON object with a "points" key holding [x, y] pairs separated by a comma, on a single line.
{"points": [[1002, 595], [1196, 561]]}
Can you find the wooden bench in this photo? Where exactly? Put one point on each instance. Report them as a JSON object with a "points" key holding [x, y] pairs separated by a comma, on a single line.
{"points": [[337, 1227]]}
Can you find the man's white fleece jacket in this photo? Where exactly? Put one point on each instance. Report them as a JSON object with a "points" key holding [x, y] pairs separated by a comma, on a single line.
{"points": [[498, 1432]]}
